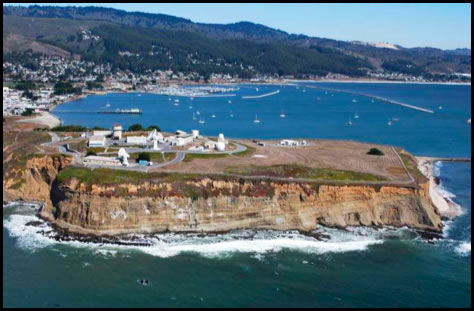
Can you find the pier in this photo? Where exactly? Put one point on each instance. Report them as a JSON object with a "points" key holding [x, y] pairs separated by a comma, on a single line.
{"points": [[393, 102]]}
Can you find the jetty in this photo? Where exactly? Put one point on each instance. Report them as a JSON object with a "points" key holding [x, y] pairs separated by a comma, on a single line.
{"points": [[260, 96], [390, 101], [117, 111]]}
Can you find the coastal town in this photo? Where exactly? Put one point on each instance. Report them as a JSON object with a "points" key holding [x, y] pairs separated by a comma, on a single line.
{"points": [[49, 81]]}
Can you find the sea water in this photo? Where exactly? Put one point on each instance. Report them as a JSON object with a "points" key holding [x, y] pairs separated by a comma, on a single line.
{"points": [[354, 268]]}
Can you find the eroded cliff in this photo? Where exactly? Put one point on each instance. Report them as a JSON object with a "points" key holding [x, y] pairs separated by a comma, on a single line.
{"points": [[210, 205], [32, 179]]}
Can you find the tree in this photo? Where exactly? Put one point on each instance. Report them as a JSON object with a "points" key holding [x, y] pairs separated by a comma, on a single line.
{"points": [[144, 156], [153, 127], [375, 151], [135, 127]]}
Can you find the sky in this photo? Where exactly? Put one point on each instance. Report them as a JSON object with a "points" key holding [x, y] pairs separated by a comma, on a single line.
{"points": [[445, 26]]}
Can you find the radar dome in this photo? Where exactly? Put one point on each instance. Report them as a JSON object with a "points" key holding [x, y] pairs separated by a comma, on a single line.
{"points": [[220, 146]]}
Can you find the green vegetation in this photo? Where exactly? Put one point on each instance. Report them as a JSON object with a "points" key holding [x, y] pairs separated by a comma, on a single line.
{"points": [[64, 88], [96, 150], [412, 167], [250, 151], [91, 153], [144, 156], [110, 176], [153, 127], [94, 85], [189, 157], [69, 128], [28, 112], [135, 127], [154, 156], [375, 152], [300, 171], [25, 86]]}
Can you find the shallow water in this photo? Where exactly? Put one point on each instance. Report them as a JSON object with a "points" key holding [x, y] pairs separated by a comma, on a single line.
{"points": [[355, 268]]}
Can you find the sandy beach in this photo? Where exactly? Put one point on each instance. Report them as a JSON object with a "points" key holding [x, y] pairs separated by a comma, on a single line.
{"points": [[446, 206], [45, 118]]}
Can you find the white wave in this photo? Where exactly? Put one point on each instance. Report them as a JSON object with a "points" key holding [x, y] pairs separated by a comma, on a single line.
{"points": [[437, 168], [464, 249], [28, 237], [220, 249], [167, 245]]}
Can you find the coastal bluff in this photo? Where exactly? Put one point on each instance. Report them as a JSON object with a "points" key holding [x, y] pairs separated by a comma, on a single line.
{"points": [[216, 204], [210, 205]]}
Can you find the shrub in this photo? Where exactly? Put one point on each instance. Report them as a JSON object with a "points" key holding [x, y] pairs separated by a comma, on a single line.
{"points": [[135, 127], [375, 151], [27, 112], [153, 127], [144, 156], [91, 153]]}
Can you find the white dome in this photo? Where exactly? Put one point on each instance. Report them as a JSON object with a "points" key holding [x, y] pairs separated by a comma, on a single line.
{"points": [[220, 146]]}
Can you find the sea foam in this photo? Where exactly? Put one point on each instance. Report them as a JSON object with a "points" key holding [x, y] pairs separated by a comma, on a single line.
{"points": [[464, 249], [33, 234]]}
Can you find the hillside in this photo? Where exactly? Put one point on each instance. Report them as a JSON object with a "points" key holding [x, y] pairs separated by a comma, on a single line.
{"points": [[140, 41]]}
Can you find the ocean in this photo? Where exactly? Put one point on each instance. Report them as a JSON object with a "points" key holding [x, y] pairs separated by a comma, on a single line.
{"points": [[358, 267]]}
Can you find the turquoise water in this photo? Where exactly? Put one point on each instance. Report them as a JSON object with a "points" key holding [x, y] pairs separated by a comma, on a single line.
{"points": [[357, 268]]}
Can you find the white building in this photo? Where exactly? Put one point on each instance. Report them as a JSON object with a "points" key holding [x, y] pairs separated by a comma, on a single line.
{"points": [[288, 142], [210, 144], [97, 141], [136, 140], [97, 160], [195, 134], [102, 133], [182, 141], [117, 129]]}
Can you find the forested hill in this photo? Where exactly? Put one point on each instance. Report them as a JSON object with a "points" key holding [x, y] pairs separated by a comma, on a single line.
{"points": [[141, 41]]}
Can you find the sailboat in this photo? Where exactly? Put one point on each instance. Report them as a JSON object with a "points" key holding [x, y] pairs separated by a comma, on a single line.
{"points": [[231, 114], [282, 114], [256, 120], [230, 102], [354, 101], [356, 116], [194, 116], [389, 123], [198, 113], [440, 107], [169, 99], [350, 122], [213, 116], [256, 89], [201, 121], [190, 107], [304, 90]]}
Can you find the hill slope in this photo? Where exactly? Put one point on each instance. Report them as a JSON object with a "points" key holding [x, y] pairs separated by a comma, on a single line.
{"points": [[243, 48]]}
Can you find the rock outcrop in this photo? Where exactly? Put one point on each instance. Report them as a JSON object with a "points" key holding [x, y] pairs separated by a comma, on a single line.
{"points": [[210, 205], [33, 181]]}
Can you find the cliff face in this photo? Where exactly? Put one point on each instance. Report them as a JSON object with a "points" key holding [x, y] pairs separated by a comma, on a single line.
{"points": [[214, 206], [33, 182]]}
